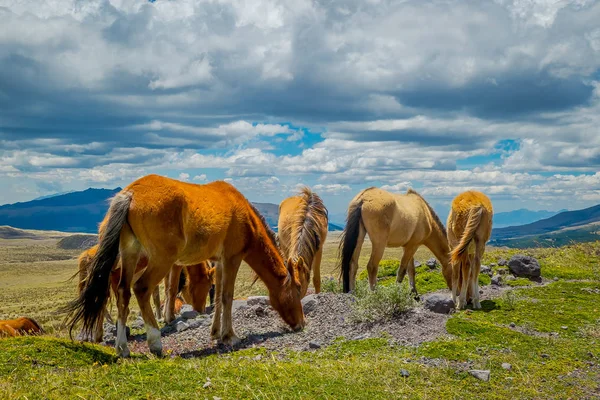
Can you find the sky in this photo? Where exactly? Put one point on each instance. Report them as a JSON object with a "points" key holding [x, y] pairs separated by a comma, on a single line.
{"points": [[442, 96]]}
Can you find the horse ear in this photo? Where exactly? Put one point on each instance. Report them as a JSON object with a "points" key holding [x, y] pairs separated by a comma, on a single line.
{"points": [[300, 263], [289, 265]]}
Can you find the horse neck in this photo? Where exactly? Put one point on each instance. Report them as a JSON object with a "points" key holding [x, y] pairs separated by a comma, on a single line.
{"points": [[265, 259], [438, 244]]}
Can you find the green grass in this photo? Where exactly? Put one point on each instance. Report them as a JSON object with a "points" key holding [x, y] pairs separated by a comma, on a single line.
{"points": [[545, 365]]}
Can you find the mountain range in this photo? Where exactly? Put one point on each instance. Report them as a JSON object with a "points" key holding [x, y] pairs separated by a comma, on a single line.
{"points": [[83, 211]]}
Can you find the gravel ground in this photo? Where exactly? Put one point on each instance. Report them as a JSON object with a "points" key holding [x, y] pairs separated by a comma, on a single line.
{"points": [[261, 326]]}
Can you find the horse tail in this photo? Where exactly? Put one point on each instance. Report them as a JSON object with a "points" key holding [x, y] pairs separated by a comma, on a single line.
{"points": [[89, 305], [468, 234], [349, 239]]}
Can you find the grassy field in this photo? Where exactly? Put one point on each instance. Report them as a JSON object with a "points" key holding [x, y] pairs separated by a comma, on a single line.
{"points": [[554, 349]]}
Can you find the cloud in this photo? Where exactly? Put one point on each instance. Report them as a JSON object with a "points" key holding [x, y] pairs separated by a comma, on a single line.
{"points": [[337, 94]]}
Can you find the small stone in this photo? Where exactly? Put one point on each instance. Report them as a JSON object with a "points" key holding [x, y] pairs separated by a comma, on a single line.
{"points": [[564, 327], [217, 398], [260, 311], [258, 300], [181, 326], [482, 375], [496, 280], [186, 307], [258, 358], [502, 271], [417, 264], [493, 265], [191, 314], [502, 262], [555, 278], [431, 263], [207, 385], [506, 366], [486, 270], [314, 345], [509, 278], [361, 337], [438, 303], [512, 325], [404, 373], [309, 303], [544, 355]]}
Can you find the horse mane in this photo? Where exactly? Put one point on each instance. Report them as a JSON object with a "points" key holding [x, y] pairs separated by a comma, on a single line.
{"points": [[271, 235], [306, 227], [437, 220]]}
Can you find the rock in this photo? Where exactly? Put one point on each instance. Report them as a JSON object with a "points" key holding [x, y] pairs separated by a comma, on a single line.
{"points": [[186, 307], [260, 311], [258, 300], [191, 314], [524, 266], [238, 305], [564, 327], [309, 303], [138, 323], [314, 345], [417, 264], [555, 278], [438, 303], [502, 271], [486, 270], [181, 326], [482, 375], [506, 366], [509, 278], [404, 373], [502, 262], [361, 337], [544, 355], [512, 325], [432, 263], [258, 357], [496, 280], [493, 265], [197, 323], [206, 385]]}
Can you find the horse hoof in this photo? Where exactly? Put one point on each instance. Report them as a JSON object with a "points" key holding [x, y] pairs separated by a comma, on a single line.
{"points": [[123, 353], [231, 340]]}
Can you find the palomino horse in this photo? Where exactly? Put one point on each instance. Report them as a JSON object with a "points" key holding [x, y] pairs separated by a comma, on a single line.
{"points": [[195, 287], [391, 220], [175, 222], [20, 326], [302, 227], [469, 229]]}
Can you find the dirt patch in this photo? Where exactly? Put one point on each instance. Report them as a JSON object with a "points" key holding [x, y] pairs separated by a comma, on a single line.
{"points": [[77, 242]]}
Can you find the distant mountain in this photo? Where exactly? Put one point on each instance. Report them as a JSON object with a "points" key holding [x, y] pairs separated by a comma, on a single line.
{"points": [[83, 211], [71, 212], [521, 217], [579, 225]]}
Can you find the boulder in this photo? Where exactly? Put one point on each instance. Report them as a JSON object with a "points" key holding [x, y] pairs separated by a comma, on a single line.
{"points": [[438, 303], [497, 280], [524, 266], [309, 303], [189, 314], [258, 300]]}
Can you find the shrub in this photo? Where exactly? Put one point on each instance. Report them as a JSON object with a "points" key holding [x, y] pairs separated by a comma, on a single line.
{"points": [[383, 303], [331, 285], [386, 268]]}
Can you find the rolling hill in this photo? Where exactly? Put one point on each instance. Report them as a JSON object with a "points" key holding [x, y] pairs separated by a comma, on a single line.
{"points": [[82, 212], [578, 225]]}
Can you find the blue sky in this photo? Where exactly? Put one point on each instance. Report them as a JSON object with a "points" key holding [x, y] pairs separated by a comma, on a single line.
{"points": [[442, 96]]}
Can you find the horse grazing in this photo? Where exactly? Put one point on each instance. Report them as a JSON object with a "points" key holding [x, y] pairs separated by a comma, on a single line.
{"points": [[196, 287], [174, 222], [20, 326], [391, 220], [302, 227], [194, 284], [469, 228]]}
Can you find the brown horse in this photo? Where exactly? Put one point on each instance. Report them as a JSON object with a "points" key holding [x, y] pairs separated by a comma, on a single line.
{"points": [[391, 220], [196, 287], [302, 227], [19, 326], [469, 229], [175, 222]]}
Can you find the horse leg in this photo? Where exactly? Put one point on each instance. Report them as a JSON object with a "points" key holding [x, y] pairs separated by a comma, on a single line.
{"points": [[354, 262], [129, 258], [230, 270], [171, 286], [378, 248], [465, 270], [455, 282], [149, 279], [475, 268], [407, 263], [215, 330], [316, 267], [156, 299]]}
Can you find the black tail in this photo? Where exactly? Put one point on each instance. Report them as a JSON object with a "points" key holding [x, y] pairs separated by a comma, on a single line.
{"points": [[182, 281], [89, 305], [348, 241]]}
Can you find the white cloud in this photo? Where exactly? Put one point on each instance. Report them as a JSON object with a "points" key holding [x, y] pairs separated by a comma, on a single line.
{"points": [[184, 176]]}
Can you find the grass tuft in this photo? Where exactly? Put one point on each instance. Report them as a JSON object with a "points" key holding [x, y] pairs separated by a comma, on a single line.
{"points": [[383, 303]]}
